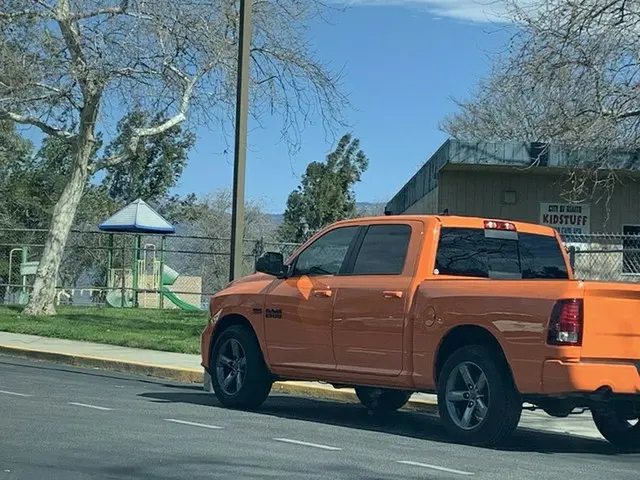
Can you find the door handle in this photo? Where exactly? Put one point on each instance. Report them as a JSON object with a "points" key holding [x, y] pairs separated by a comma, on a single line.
{"points": [[322, 293], [392, 294]]}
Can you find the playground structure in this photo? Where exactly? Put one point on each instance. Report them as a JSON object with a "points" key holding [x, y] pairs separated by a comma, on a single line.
{"points": [[145, 282], [18, 293], [146, 285], [26, 273]]}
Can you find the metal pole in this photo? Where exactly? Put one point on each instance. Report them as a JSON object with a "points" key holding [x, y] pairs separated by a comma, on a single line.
{"points": [[109, 261], [163, 245], [240, 153], [136, 272]]}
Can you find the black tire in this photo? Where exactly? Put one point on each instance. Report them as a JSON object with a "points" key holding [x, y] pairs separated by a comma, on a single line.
{"points": [[382, 399], [615, 427], [256, 379], [495, 407]]}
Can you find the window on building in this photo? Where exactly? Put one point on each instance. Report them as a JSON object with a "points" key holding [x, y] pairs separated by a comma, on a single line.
{"points": [[631, 249], [468, 252], [383, 250]]}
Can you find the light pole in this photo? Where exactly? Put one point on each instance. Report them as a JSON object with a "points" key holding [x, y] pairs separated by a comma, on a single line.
{"points": [[240, 151]]}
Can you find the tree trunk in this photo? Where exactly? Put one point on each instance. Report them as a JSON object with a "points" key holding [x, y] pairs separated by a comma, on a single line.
{"points": [[42, 298]]}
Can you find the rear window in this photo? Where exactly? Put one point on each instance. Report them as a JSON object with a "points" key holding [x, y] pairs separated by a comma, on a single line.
{"points": [[469, 252]]}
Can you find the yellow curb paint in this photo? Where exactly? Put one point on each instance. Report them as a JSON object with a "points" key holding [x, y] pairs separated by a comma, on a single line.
{"points": [[187, 375]]}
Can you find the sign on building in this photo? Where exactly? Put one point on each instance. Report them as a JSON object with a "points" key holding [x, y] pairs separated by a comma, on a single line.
{"points": [[567, 218]]}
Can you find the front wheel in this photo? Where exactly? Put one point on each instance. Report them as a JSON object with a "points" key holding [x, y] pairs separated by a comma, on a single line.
{"points": [[477, 400], [239, 375], [620, 430], [382, 399]]}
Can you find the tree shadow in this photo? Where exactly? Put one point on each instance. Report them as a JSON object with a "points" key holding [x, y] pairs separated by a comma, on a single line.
{"points": [[407, 424]]}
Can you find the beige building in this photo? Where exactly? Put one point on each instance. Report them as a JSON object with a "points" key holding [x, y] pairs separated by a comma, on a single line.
{"points": [[516, 182], [526, 182]]}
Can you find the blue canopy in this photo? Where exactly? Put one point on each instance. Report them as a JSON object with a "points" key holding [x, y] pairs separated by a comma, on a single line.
{"points": [[137, 217]]}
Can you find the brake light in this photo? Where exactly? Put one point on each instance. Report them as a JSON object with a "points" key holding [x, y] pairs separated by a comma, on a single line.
{"points": [[566, 322], [495, 225]]}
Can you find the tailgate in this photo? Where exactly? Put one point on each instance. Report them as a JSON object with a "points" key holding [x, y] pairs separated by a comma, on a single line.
{"points": [[611, 321]]}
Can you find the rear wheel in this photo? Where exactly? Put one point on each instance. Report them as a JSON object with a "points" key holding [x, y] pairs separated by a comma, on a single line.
{"points": [[620, 430], [382, 399], [477, 400], [239, 375]]}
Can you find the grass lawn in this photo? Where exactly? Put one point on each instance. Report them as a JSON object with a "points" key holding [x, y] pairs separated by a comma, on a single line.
{"points": [[168, 330]]}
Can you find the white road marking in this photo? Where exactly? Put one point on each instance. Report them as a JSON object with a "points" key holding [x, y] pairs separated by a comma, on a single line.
{"points": [[193, 424], [306, 444], [86, 405], [7, 392], [434, 467]]}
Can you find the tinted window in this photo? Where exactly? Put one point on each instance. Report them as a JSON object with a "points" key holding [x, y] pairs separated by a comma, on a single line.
{"points": [[470, 253], [541, 257], [383, 250], [326, 254]]}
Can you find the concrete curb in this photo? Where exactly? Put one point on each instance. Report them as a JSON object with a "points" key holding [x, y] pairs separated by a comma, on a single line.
{"points": [[187, 375]]}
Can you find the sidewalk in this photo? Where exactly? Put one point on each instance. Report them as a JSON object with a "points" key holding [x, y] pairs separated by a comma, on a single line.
{"points": [[186, 368]]}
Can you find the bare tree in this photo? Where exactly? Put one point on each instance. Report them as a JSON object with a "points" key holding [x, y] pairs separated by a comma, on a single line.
{"points": [[571, 76], [69, 66]]}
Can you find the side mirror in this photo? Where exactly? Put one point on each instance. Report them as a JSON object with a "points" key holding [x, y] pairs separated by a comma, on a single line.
{"points": [[271, 263]]}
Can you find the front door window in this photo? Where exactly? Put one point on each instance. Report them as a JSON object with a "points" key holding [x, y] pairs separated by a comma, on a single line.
{"points": [[326, 255]]}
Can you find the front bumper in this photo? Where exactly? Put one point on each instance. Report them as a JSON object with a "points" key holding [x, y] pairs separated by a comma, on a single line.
{"points": [[205, 344], [208, 384], [559, 377]]}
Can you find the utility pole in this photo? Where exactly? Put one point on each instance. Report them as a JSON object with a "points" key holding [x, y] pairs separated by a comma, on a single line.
{"points": [[240, 153]]}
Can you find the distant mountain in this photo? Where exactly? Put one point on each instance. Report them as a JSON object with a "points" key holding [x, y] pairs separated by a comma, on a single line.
{"points": [[276, 218]]}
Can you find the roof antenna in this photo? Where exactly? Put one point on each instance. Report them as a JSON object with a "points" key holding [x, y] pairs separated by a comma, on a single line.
{"points": [[445, 212]]}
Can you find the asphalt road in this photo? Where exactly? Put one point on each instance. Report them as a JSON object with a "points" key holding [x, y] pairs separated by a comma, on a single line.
{"points": [[60, 422]]}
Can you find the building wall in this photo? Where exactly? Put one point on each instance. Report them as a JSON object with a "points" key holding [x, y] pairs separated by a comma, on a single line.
{"points": [[426, 205], [474, 191]]}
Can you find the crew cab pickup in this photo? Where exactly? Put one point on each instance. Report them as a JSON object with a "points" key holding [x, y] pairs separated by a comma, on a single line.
{"points": [[485, 313]]}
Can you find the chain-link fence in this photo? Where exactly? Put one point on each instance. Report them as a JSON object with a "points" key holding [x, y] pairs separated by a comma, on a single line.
{"points": [[175, 271], [148, 271], [605, 257]]}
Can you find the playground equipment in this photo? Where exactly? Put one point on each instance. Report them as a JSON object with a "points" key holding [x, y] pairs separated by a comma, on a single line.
{"points": [[149, 283], [146, 283], [18, 293], [27, 269]]}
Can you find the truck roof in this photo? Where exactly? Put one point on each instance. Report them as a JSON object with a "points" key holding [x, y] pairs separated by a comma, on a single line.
{"points": [[459, 221]]}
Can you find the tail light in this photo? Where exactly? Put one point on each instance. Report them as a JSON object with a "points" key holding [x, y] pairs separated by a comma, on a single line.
{"points": [[566, 322], [498, 225]]}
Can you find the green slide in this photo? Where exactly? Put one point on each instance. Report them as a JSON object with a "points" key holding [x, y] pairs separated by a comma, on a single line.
{"points": [[169, 276], [173, 298], [115, 299]]}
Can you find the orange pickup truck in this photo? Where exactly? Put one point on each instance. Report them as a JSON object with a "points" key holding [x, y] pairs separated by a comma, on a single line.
{"points": [[485, 313]]}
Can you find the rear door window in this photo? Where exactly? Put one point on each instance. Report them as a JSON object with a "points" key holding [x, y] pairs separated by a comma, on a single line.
{"points": [[383, 250], [470, 252]]}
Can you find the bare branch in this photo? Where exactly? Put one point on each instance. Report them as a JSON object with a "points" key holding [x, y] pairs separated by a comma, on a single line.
{"points": [[140, 133], [27, 13], [71, 37], [120, 10], [36, 122]]}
